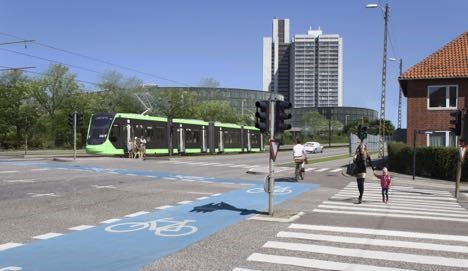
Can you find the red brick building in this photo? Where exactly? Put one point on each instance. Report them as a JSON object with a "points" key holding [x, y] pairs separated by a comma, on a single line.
{"points": [[435, 87]]}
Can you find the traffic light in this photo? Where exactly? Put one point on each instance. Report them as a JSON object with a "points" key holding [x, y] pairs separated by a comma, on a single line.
{"points": [[362, 132], [262, 115], [71, 119], [456, 122], [79, 119], [281, 116]]}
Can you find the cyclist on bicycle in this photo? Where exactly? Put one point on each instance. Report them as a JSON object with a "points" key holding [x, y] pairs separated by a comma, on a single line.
{"points": [[299, 154]]}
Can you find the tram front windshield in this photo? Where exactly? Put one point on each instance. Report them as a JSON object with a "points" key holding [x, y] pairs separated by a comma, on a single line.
{"points": [[99, 129]]}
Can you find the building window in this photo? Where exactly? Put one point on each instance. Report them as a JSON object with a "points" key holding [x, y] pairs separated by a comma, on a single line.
{"points": [[441, 139], [442, 97]]}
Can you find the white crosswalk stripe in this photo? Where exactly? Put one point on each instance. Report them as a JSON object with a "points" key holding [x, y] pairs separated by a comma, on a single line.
{"points": [[278, 169], [330, 247]]}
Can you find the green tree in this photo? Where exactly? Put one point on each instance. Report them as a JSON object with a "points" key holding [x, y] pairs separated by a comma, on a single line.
{"points": [[209, 83], [314, 122], [175, 103], [12, 95], [117, 94], [55, 94], [216, 111]]}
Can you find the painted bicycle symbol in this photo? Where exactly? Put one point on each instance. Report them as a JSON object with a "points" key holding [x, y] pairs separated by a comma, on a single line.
{"points": [[163, 227], [279, 190]]}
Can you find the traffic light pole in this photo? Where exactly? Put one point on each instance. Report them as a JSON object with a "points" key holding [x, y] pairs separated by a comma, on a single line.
{"points": [[74, 135], [270, 178]]}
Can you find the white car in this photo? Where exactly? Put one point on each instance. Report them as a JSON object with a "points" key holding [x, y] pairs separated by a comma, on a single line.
{"points": [[313, 147]]}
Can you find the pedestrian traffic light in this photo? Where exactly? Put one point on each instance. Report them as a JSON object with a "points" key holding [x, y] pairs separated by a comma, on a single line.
{"points": [[71, 119], [456, 122], [79, 119], [362, 132], [281, 116], [262, 115]]}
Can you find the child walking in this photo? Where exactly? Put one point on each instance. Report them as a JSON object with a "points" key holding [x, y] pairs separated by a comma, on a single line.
{"points": [[385, 182]]}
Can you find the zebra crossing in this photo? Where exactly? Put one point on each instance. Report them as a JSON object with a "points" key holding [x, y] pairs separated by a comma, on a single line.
{"points": [[337, 247], [244, 166]]}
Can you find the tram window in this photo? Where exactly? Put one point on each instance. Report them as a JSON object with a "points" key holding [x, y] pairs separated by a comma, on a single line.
{"points": [[149, 134], [191, 136], [114, 133]]}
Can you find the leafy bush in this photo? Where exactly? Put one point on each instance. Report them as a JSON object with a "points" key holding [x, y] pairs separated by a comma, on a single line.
{"points": [[434, 162]]}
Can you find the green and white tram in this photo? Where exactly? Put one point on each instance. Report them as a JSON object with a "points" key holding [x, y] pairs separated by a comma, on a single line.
{"points": [[108, 134]]}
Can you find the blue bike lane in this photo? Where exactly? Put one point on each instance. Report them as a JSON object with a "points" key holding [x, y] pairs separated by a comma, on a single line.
{"points": [[132, 243]]}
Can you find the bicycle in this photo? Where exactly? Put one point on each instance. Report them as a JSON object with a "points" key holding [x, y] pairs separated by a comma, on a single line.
{"points": [[300, 171], [174, 228]]}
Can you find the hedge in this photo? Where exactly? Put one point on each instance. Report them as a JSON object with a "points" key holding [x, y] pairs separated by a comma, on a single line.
{"points": [[434, 162]]}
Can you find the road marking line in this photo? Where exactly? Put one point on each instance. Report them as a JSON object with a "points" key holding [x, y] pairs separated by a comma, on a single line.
{"points": [[398, 206], [228, 183], [39, 169], [244, 269], [130, 174], [223, 165], [187, 180], [81, 228], [322, 169], [364, 208], [199, 193], [35, 195], [113, 172], [391, 215], [169, 178], [109, 221], [400, 195], [206, 181], [407, 234], [137, 214], [184, 202], [20, 181], [373, 242], [400, 199], [215, 195], [8, 171], [47, 235], [9, 245], [369, 254], [318, 264], [393, 191], [103, 186], [242, 165], [336, 170], [309, 169], [202, 198], [163, 207]]}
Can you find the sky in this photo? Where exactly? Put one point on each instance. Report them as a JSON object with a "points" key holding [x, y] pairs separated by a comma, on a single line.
{"points": [[181, 42]]}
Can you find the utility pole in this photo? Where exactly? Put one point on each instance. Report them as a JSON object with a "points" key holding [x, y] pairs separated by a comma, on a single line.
{"points": [[384, 82], [400, 96]]}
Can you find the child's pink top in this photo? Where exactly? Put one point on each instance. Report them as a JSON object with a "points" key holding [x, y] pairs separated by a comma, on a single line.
{"points": [[385, 180]]}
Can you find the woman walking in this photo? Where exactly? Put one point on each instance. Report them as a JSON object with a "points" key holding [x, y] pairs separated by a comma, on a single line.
{"points": [[360, 157]]}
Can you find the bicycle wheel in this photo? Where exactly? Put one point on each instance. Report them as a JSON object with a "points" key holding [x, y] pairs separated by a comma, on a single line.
{"points": [[127, 227], [174, 231], [297, 173]]}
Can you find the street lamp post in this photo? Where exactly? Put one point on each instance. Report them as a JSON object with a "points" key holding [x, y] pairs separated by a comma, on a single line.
{"points": [[384, 79]]}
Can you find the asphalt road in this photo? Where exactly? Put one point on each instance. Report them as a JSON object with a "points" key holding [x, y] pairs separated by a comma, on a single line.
{"points": [[207, 212]]}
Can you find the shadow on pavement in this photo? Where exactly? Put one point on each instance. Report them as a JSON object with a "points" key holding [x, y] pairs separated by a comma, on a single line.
{"points": [[211, 207]]}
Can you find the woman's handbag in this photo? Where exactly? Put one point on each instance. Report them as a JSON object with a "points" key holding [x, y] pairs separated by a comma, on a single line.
{"points": [[351, 168]]}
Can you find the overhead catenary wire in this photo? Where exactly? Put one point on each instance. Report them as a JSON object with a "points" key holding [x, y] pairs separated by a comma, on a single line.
{"points": [[44, 74], [98, 60]]}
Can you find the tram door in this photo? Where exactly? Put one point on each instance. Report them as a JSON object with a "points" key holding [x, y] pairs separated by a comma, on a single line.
{"points": [[181, 138]]}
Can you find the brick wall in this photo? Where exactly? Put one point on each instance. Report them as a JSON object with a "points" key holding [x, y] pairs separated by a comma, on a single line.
{"points": [[420, 118]]}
